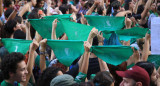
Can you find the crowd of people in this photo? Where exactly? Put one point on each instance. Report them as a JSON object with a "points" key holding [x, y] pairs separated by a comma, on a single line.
{"points": [[40, 67]]}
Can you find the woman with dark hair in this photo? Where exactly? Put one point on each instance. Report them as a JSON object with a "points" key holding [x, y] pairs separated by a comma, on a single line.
{"points": [[47, 75], [103, 79], [149, 67], [40, 4]]}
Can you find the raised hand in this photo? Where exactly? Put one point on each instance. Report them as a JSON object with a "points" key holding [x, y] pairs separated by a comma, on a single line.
{"points": [[54, 23], [87, 46], [43, 44], [94, 32], [34, 45]]}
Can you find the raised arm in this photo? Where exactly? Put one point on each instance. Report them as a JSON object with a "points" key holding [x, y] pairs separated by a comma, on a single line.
{"points": [[136, 7], [42, 54], [14, 13], [48, 7], [103, 66], [54, 25], [38, 38], [74, 9], [53, 36], [123, 13], [146, 47], [83, 20], [85, 63], [25, 8], [73, 17], [92, 34], [146, 10], [28, 34], [134, 58], [1, 7], [31, 61], [89, 12]]}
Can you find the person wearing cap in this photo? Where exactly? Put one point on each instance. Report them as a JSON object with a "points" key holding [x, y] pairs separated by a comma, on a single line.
{"points": [[62, 80], [135, 76]]}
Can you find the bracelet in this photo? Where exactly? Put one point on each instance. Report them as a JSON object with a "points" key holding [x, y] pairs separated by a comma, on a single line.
{"points": [[42, 52]]}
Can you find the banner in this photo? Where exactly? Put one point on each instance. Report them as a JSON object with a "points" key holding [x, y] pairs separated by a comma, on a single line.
{"points": [[113, 54], [16, 45], [66, 51], [128, 34], [108, 23], [75, 31], [44, 27]]}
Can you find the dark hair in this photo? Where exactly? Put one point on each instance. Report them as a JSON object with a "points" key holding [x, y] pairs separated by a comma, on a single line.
{"points": [[37, 5], [140, 9], [18, 19], [61, 66], [103, 78], [9, 63], [1, 76], [9, 26], [95, 41], [126, 5], [158, 9], [64, 8], [115, 4], [100, 10], [33, 15], [149, 67], [7, 3], [64, 1], [47, 75], [18, 34], [8, 12], [86, 84]]}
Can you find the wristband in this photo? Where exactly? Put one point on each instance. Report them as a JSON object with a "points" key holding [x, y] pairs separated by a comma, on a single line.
{"points": [[42, 52]]}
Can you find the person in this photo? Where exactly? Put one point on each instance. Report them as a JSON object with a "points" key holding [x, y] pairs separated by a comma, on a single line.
{"points": [[150, 68], [62, 80], [14, 69], [135, 76], [103, 78], [47, 75]]}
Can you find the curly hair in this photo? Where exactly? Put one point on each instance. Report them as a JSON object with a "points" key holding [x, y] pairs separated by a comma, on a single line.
{"points": [[47, 75], [9, 63]]}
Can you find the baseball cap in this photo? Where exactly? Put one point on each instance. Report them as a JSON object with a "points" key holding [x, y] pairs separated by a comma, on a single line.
{"points": [[62, 80], [136, 73]]}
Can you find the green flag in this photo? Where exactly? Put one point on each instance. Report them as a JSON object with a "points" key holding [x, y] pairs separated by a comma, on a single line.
{"points": [[16, 45], [113, 54], [128, 34], [154, 59], [64, 16], [75, 31], [66, 51], [44, 27], [106, 22]]}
